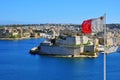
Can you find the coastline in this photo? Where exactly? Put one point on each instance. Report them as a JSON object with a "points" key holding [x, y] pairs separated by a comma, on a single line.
{"points": [[19, 38], [70, 56]]}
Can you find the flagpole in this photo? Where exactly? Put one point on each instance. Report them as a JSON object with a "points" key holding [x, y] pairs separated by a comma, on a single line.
{"points": [[105, 39]]}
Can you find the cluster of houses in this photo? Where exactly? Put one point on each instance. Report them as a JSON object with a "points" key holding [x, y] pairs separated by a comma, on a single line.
{"points": [[19, 32], [37, 31]]}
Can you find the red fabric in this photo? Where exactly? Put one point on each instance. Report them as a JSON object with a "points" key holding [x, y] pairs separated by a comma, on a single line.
{"points": [[86, 26]]}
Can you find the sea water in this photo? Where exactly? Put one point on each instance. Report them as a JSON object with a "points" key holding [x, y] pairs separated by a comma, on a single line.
{"points": [[17, 64]]}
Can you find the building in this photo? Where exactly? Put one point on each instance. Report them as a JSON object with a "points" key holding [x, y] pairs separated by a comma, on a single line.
{"points": [[70, 47]]}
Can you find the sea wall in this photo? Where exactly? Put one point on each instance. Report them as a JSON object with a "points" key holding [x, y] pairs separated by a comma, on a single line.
{"points": [[59, 50]]}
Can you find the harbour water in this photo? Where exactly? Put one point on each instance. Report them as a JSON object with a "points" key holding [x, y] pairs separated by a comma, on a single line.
{"points": [[17, 64]]}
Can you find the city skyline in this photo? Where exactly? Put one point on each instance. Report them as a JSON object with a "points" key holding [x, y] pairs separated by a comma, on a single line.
{"points": [[53, 11]]}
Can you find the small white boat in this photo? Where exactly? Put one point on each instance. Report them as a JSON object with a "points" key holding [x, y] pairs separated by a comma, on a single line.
{"points": [[34, 50]]}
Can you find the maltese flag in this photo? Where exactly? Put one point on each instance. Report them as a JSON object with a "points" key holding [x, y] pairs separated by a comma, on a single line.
{"points": [[93, 25]]}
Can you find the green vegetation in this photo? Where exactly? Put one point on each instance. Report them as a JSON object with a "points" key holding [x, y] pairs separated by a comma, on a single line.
{"points": [[78, 45], [88, 43], [15, 36], [1, 27]]}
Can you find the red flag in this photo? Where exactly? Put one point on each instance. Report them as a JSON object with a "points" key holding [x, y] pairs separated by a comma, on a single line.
{"points": [[86, 26]]}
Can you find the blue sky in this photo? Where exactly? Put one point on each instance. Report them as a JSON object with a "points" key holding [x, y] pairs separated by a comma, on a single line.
{"points": [[57, 11]]}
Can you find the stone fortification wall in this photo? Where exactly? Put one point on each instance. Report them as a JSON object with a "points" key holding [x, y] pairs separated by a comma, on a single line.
{"points": [[57, 50], [89, 48], [71, 41], [75, 40], [60, 50]]}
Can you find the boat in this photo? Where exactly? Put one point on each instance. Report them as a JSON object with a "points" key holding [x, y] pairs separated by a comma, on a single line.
{"points": [[34, 50]]}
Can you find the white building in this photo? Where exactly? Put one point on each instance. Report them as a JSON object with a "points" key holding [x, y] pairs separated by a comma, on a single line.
{"points": [[74, 40], [84, 39]]}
